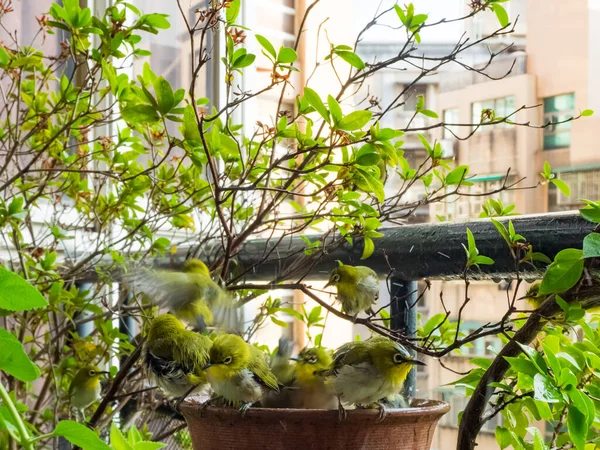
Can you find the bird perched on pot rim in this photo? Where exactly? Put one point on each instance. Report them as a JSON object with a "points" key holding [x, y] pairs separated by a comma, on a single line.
{"points": [[312, 388], [174, 357], [357, 288], [85, 387], [365, 372], [238, 372], [191, 295]]}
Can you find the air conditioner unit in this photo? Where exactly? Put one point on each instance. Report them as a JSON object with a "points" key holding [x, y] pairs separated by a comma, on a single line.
{"points": [[583, 185]]}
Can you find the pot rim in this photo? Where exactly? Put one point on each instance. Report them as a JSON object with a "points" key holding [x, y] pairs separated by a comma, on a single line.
{"points": [[423, 408]]}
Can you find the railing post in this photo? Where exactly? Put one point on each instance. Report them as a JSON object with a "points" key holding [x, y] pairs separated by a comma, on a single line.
{"points": [[403, 312]]}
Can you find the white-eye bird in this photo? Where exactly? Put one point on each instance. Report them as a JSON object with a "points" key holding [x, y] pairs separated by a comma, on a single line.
{"points": [[174, 357], [365, 372], [312, 389], [238, 372], [191, 295], [285, 372], [85, 388], [357, 288]]}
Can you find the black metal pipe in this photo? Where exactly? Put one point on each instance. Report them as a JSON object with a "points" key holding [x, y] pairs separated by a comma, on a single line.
{"points": [[431, 250], [403, 312]]}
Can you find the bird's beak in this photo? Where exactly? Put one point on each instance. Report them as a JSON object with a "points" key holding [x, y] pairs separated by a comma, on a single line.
{"points": [[104, 372], [207, 366], [327, 285], [522, 298], [416, 362], [295, 358]]}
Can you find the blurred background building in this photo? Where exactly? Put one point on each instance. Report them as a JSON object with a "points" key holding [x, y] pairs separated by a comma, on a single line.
{"points": [[556, 65]]}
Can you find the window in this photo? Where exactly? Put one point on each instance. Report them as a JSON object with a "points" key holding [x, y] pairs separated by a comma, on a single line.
{"points": [[556, 109], [457, 400], [451, 116], [502, 107]]}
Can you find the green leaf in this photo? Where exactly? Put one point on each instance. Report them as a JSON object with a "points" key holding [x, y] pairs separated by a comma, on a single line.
{"points": [[157, 21], [591, 245], [501, 14], [503, 438], [139, 114], [538, 439], [351, 58], [368, 159], [544, 389], [266, 44], [457, 176], [485, 260], [564, 272], [16, 294], [315, 101], [522, 365], [591, 213], [561, 186], [164, 95], [244, 61], [577, 424], [335, 109], [584, 113], [79, 435], [118, 440], [14, 360], [3, 56], [355, 120], [232, 11], [278, 322], [503, 231], [148, 445], [429, 113], [286, 55], [369, 248], [367, 183]]}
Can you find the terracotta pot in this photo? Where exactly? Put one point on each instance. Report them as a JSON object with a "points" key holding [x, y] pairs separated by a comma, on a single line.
{"points": [[218, 428]]}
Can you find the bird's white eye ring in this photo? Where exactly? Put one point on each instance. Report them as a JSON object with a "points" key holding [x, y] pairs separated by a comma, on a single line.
{"points": [[92, 373], [336, 278], [398, 358], [227, 360]]}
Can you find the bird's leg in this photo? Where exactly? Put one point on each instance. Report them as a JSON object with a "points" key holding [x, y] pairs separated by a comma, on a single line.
{"points": [[382, 412], [245, 407], [178, 401], [210, 401], [342, 413]]}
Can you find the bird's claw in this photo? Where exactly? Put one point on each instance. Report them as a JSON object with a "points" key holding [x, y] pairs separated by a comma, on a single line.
{"points": [[245, 407], [382, 412], [342, 413], [209, 402]]}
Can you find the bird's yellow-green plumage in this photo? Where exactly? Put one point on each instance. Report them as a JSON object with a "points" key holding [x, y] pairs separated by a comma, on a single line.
{"points": [[174, 357], [190, 294], [533, 296], [312, 389], [85, 387], [239, 372], [281, 365], [357, 288], [365, 372], [590, 302]]}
